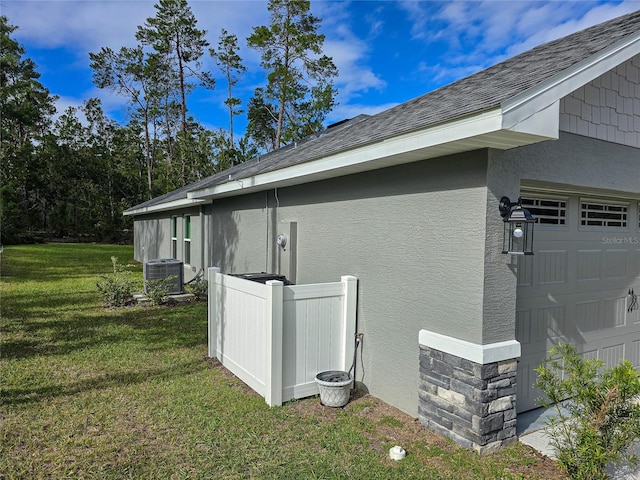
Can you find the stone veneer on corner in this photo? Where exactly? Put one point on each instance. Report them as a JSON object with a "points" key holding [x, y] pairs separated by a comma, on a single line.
{"points": [[474, 404]]}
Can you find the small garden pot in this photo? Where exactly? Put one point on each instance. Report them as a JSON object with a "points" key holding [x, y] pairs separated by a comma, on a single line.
{"points": [[334, 387]]}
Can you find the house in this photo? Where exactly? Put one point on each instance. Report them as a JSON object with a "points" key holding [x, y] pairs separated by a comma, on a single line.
{"points": [[408, 201]]}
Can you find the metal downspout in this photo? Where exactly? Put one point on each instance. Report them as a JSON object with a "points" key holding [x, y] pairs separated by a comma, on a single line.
{"points": [[202, 238]]}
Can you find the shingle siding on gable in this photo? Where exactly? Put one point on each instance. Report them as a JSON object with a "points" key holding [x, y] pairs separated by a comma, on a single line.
{"points": [[607, 108]]}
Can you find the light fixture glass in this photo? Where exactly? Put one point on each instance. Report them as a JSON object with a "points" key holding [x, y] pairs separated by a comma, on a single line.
{"points": [[518, 228]]}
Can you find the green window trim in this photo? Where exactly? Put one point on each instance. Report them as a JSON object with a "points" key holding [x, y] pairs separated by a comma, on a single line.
{"points": [[187, 227]]}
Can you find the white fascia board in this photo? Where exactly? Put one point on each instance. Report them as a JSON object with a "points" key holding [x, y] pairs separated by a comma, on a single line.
{"points": [[163, 207], [362, 158], [481, 354], [523, 107]]}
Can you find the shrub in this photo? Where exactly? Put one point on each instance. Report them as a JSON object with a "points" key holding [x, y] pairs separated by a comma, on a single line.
{"points": [[199, 287], [597, 415], [117, 287], [157, 290]]}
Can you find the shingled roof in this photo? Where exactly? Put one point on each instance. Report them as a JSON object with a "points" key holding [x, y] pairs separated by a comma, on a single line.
{"points": [[486, 90]]}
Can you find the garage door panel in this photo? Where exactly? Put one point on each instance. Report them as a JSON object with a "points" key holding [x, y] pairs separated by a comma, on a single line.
{"points": [[524, 270], [589, 265], [612, 355], [535, 327], [576, 289], [634, 358], [588, 316], [615, 312], [615, 265], [523, 326], [526, 394], [611, 351], [633, 317], [552, 267]]}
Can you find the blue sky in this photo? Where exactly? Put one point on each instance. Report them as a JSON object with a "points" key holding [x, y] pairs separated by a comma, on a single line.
{"points": [[387, 51]]}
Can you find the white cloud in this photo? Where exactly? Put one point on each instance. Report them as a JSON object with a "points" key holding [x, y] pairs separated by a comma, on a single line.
{"points": [[461, 37], [63, 103], [350, 53], [79, 25], [87, 25], [342, 112], [573, 23], [113, 105], [480, 33], [442, 74]]}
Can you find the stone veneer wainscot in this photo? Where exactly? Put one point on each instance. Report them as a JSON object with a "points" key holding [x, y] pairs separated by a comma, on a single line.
{"points": [[468, 392]]}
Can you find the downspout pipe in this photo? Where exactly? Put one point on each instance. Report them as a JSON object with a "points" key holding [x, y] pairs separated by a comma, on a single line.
{"points": [[203, 262]]}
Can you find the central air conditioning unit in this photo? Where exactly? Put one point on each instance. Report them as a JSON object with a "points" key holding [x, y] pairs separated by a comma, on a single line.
{"points": [[161, 268]]}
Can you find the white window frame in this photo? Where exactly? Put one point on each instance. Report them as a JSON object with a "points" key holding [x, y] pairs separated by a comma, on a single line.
{"points": [[187, 239], [174, 237]]}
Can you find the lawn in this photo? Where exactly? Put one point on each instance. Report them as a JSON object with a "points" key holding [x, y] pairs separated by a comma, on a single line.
{"points": [[89, 392]]}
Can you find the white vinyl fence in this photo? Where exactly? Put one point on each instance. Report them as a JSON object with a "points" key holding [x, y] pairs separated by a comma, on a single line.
{"points": [[277, 337]]}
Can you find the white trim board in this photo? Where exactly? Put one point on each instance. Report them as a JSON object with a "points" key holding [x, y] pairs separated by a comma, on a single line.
{"points": [[482, 354], [163, 207], [479, 130]]}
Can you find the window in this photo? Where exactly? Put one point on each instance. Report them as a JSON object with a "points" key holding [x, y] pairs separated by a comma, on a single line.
{"points": [[174, 237], [547, 211], [187, 239], [602, 214]]}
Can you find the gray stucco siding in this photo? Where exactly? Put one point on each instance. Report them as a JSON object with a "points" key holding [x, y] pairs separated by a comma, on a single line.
{"points": [[413, 235], [152, 238], [238, 227], [573, 160], [571, 163], [499, 301]]}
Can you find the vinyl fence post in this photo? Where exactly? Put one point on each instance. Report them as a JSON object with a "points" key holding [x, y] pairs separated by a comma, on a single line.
{"points": [[213, 308], [350, 306], [273, 380]]}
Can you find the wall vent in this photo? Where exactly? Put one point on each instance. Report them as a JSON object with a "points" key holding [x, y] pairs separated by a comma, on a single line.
{"points": [[161, 268]]}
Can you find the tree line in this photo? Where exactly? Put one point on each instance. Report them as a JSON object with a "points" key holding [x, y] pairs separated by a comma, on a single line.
{"points": [[72, 174]]}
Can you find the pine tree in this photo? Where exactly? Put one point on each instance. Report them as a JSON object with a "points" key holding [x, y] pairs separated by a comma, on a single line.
{"points": [[139, 76], [300, 77], [230, 63], [26, 107], [173, 34]]}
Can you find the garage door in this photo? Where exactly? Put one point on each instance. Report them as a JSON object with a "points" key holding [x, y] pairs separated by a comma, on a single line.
{"points": [[576, 288]]}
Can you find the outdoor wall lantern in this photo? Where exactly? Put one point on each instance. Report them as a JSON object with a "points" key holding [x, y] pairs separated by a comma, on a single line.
{"points": [[518, 227]]}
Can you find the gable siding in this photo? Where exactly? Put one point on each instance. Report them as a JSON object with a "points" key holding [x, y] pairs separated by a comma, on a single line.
{"points": [[608, 108]]}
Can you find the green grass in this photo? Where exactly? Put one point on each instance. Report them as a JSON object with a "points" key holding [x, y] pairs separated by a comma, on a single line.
{"points": [[94, 393]]}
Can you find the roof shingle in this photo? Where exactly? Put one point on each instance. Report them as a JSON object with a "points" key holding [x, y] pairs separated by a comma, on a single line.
{"points": [[481, 91]]}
